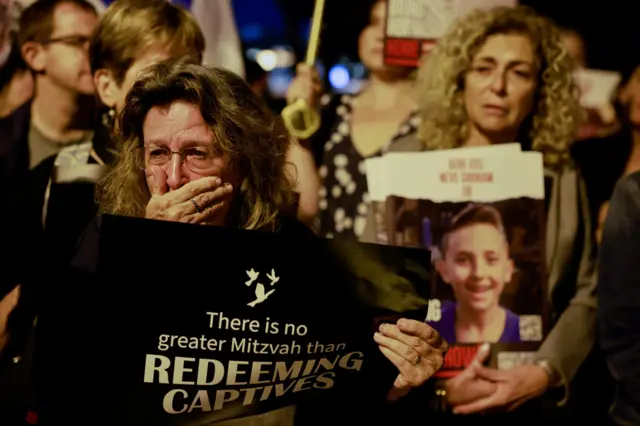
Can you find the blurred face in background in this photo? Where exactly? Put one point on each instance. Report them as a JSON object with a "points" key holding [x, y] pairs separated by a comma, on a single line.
{"points": [[371, 41], [575, 47], [112, 93], [371, 45], [63, 59], [500, 86], [629, 97]]}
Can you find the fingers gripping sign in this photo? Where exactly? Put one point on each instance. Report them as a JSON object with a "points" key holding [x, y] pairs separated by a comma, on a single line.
{"points": [[416, 349]]}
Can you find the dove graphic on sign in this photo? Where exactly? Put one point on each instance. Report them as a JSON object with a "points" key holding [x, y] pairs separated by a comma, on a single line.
{"points": [[253, 275], [260, 293], [273, 277]]}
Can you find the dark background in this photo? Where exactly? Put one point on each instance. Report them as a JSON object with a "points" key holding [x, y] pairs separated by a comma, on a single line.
{"points": [[610, 28]]}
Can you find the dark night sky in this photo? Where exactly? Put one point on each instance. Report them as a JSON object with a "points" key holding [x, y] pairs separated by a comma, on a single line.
{"points": [[612, 33]]}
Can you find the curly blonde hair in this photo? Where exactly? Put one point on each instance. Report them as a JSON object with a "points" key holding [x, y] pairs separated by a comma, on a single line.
{"points": [[553, 123], [255, 140]]}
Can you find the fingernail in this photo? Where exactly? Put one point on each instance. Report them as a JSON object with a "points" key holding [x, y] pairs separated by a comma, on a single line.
{"points": [[383, 327], [218, 181], [376, 334], [485, 347], [402, 322]]}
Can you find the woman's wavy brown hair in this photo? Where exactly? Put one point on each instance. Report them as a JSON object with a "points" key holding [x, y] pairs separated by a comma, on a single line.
{"points": [[553, 123], [254, 139]]}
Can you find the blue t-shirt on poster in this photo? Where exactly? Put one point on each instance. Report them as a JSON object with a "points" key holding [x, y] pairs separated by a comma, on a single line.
{"points": [[447, 325]]}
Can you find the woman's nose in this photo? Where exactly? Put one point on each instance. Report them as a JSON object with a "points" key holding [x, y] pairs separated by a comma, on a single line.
{"points": [[175, 174], [498, 82]]}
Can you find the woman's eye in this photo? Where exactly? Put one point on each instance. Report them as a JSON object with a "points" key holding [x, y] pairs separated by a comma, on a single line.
{"points": [[482, 69], [158, 153], [196, 152]]}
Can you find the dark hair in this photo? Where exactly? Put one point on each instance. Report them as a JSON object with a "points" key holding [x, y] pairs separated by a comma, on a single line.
{"points": [[14, 64], [244, 129], [474, 214], [36, 21], [253, 71], [129, 28]]}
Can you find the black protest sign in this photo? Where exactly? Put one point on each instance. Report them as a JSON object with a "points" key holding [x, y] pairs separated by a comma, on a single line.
{"points": [[188, 324]]}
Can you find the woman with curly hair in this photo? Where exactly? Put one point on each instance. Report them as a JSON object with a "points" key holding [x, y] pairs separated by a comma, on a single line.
{"points": [[501, 76]]}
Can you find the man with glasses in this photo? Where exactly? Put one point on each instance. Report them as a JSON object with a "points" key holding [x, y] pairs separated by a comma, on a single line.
{"points": [[54, 39], [53, 127], [56, 125]]}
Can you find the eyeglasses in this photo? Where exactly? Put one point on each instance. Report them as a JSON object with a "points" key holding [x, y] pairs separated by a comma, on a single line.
{"points": [[79, 41], [198, 159]]}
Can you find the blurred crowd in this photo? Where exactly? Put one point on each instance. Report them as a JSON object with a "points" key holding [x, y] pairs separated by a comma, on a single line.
{"points": [[498, 76]]}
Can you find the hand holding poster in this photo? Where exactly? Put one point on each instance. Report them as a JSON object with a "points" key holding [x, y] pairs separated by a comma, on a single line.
{"points": [[414, 26], [597, 92], [480, 211], [597, 87], [241, 323]]}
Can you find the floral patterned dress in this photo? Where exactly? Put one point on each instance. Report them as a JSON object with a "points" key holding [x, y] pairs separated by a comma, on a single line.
{"points": [[344, 198]]}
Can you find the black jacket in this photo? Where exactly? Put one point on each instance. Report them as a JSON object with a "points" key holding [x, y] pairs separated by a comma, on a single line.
{"points": [[619, 298], [25, 215]]}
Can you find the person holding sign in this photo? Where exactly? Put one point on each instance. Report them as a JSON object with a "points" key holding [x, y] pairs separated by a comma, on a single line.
{"points": [[198, 146], [622, 149], [601, 114], [476, 263], [333, 186], [500, 76], [619, 299]]}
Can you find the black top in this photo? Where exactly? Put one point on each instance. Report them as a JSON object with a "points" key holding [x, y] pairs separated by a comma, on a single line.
{"points": [[602, 162], [69, 206], [17, 393], [619, 297], [344, 193], [18, 405]]}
